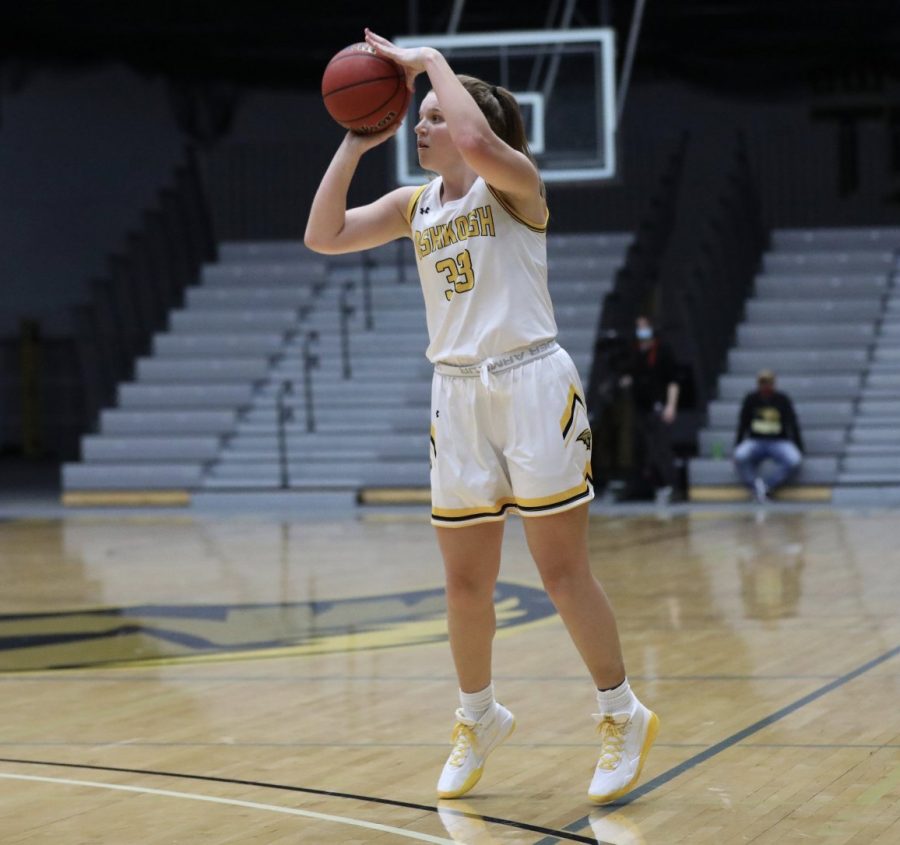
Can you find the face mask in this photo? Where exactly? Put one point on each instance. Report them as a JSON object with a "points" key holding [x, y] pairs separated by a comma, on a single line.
{"points": [[644, 333]]}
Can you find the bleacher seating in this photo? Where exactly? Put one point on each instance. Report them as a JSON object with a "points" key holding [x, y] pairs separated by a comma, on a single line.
{"points": [[203, 412], [822, 317]]}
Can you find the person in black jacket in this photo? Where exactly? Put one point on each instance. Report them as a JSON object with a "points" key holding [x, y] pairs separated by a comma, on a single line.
{"points": [[767, 429], [652, 379]]}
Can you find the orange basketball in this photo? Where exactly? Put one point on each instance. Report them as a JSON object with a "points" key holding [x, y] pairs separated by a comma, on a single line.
{"points": [[363, 91]]}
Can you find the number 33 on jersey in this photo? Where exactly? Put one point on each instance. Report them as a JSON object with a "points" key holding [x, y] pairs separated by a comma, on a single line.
{"points": [[483, 270]]}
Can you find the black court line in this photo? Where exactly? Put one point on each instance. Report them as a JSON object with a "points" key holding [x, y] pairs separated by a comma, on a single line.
{"points": [[76, 676], [555, 835], [719, 747]]}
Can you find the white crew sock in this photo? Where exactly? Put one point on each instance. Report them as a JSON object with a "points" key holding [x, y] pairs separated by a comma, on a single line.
{"points": [[620, 699], [476, 704]]}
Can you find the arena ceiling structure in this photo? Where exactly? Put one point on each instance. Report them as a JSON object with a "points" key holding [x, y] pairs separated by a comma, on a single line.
{"points": [[752, 46]]}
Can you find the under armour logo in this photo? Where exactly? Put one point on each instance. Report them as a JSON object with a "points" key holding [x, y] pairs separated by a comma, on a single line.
{"points": [[424, 210]]}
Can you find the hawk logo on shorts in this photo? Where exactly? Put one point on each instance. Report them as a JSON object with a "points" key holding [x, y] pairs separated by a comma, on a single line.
{"points": [[585, 437]]}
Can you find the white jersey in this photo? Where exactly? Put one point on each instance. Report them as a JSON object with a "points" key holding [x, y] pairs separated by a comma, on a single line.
{"points": [[483, 270]]}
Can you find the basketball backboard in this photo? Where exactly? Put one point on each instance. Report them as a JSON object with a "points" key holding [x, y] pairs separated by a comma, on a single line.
{"points": [[564, 82]]}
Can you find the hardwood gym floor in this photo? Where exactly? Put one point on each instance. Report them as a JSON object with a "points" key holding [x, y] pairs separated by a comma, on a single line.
{"points": [[179, 678]]}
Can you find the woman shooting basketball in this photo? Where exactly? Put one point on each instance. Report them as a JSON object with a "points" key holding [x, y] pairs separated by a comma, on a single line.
{"points": [[509, 426]]}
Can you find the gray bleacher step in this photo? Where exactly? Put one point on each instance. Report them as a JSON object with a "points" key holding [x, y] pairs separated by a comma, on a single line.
{"points": [[232, 320], [136, 448], [167, 422], [345, 426], [831, 287], [880, 394], [357, 451], [872, 463], [247, 298], [870, 407], [797, 361], [876, 421], [712, 471], [805, 336], [134, 396], [338, 389], [862, 237], [824, 413], [363, 372], [348, 403], [856, 449], [879, 478], [714, 442], [855, 260], [201, 369], [883, 367], [311, 282], [185, 345], [301, 270], [132, 476], [833, 386], [381, 473], [886, 354], [345, 392], [396, 441], [883, 380], [820, 310], [326, 416], [215, 490], [878, 432]]}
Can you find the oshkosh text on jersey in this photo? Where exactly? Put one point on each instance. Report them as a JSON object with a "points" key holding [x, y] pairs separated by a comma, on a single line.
{"points": [[477, 223]]}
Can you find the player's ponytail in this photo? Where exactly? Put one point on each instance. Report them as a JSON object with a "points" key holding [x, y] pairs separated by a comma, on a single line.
{"points": [[502, 111]]}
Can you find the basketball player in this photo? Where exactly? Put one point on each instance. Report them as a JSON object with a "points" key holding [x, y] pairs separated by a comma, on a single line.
{"points": [[509, 429]]}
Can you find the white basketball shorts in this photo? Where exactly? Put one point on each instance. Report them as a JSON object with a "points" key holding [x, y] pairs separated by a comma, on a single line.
{"points": [[509, 435]]}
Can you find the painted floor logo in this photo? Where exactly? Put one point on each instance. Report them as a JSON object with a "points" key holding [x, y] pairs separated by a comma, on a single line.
{"points": [[115, 636]]}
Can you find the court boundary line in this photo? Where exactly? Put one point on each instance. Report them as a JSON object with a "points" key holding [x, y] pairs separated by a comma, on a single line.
{"points": [[235, 802], [725, 744], [559, 835]]}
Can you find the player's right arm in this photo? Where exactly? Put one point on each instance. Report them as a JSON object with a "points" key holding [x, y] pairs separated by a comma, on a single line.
{"points": [[332, 228]]}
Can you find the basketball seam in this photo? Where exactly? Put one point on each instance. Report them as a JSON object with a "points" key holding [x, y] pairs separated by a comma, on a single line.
{"points": [[379, 106], [355, 84]]}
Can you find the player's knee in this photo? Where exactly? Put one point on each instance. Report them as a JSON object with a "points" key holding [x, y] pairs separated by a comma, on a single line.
{"points": [[465, 587], [561, 579]]}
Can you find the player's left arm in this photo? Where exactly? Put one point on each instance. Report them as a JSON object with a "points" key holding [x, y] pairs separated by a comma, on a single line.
{"points": [[506, 170]]}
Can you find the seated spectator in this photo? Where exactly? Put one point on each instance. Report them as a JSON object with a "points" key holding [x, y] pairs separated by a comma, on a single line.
{"points": [[767, 429]]}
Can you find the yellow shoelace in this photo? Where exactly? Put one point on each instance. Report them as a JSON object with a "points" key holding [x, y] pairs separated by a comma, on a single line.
{"points": [[612, 741], [463, 739]]}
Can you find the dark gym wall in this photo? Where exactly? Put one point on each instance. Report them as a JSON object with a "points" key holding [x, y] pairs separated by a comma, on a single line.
{"points": [[81, 153]]}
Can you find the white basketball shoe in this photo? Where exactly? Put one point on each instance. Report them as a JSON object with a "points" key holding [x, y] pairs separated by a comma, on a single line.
{"points": [[472, 742], [625, 741]]}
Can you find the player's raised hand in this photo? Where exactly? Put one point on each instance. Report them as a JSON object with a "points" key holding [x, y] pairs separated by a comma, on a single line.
{"points": [[411, 59]]}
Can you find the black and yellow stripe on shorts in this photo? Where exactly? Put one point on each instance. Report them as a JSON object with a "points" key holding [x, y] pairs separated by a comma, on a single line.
{"points": [[568, 416], [456, 516]]}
